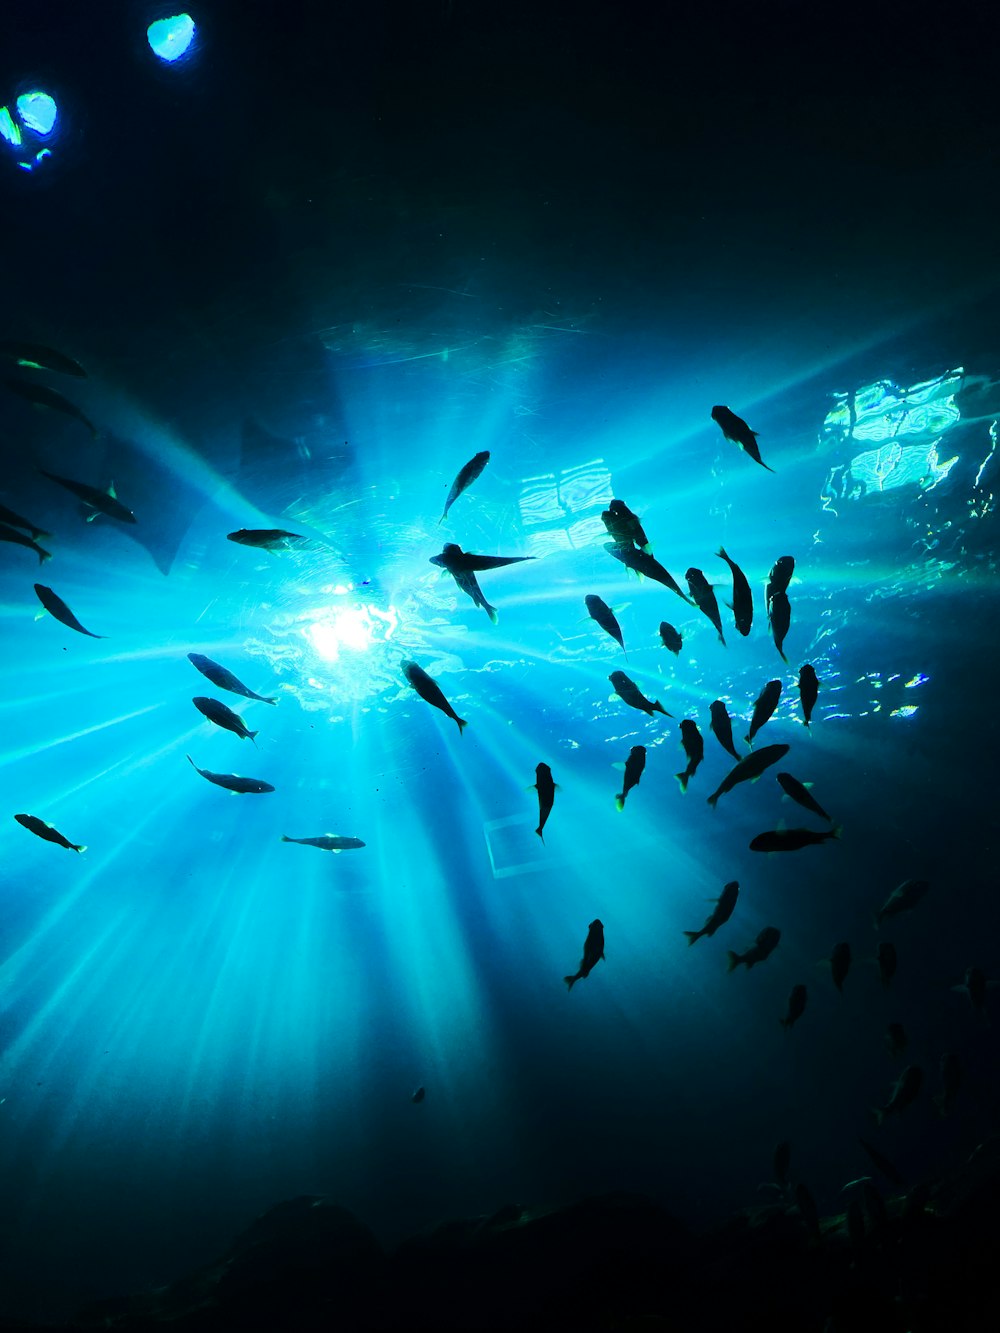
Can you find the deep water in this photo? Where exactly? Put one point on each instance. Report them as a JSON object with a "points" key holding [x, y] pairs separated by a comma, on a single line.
{"points": [[311, 270]]}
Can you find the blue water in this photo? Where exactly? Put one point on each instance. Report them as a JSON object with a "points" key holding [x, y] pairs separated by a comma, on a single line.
{"points": [[301, 307]]}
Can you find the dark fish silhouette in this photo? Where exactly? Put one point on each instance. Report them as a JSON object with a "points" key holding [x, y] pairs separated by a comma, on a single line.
{"points": [[42, 396], [694, 748], [605, 617], [763, 708], [16, 521], [546, 789], [627, 689], [102, 502], [623, 526], [808, 691], [882, 1163], [780, 617], [468, 583], [734, 428], [704, 598], [634, 766], [798, 792], [216, 711], [265, 539], [791, 839], [225, 680], [329, 842], [976, 987], [723, 910], [742, 607], [779, 578], [9, 534], [670, 638], [455, 560], [232, 781], [57, 607], [593, 952], [42, 830], [796, 1006], [749, 769], [764, 945], [840, 964], [430, 692], [904, 897], [722, 728], [36, 356], [418, 1096], [642, 563], [465, 478], [904, 1094]]}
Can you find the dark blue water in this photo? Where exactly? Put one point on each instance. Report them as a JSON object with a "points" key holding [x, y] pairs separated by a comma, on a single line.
{"points": [[311, 270]]}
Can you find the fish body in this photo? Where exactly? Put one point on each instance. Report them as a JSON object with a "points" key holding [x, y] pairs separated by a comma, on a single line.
{"points": [[798, 792], [670, 638], [779, 578], [265, 539], [976, 987], [216, 711], [225, 680], [634, 766], [840, 964], [102, 502], [887, 961], [465, 478], [764, 945], [627, 689], [791, 839], [57, 607], [418, 1096], [763, 708], [546, 789], [780, 616], [796, 1006], [600, 612], [808, 691], [623, 526], [9, 517], [469, 584], [951, 1081], [896, 1039], [641, 562], [329, 842], [749, 769], [232, 781], [457, 561], [704, 598], [721, 727], [9, 534], [904, 897], [742, 607], [882, 1163], [42, 830], [736, 430], [904, 1094], [36, 356], [723, 910], [694, 749], [430, 692], [42, 396], [593, 952]]}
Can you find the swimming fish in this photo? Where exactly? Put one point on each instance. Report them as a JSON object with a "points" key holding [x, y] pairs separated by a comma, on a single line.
{"points": [[465, 478], [734, 428], [329, 842], [742, 607], [36, 356], [16, 521], [232, 781], [670, 638], [9, 534], [225, 680], [704, 599], [605, 617], [904, 1094], [430, 691], [764, 945], [798, 792], [808, 691], [780, 617], [840, 964], [721, 727], [634, 766], [102, 502], [749, 769], [723, 910], [546, 789], [779, 578], [904, 897], [796, 1006], [216, 711], [628, 690], [42, 396], [640, 562], [791, 839], [42, 830], [265, 539], [763, 708], [57, 607], [976, 987], [418, 1096], [694, 748], [455, 560], [623, 526], [882, 1163], [593, 952], [887, 961]]}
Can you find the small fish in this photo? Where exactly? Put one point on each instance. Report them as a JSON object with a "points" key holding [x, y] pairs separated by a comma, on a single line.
{"points": [[600, 612], [430, 691], [455, 560], [951, 1080], [42, 830], [779, 578], [694, 748], [623, 526], [101, 502], [808, 1211], [887, 961], [418, 1096], [329, 842], [764, 945], [8, 534], [16, 521], [840, 964], [628, 690], [57, 607], [796, 1006], [634, 766], [225, 680], [265, 539], [36, 356], [976, 987], [808, 691], [791, 839], [465, 478], [763, 708], [723, 910], [216, 711], [896, 1039], [780, 617], [882, 1163], [736, 430], [232, 781], [640, 562], [904, 1094], [721, 727], [465, 578], [704, 598], [904, 897], [42, 396], [749, 769], [546, 789], [798, 792], [670, 638], [742, 607], [593, 952]]}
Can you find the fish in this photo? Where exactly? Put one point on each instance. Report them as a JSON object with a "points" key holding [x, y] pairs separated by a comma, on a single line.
{"points": [[904, 897], [791, 839], [742, 607], [808, 691], [885, 956], [808, 1211], [882, 1163], [704, 599], [640, 562], [896, 1039], [216, 711], [42, 830], [469, 584], [723, 910], [904, 1093], [430, 692], [101, 502], [763, 708], [16, 521], [454, 559], [225, 680], [840, 964], [265, 539], [976, 987], [57, 607], [749, 769], [593, 952], [736, 430], [628, 690], [670, 638], [721, 727], [780, 575], [634, 766], [329, 842], [600, 612], [546, 789], [464, 480], [796, 1006], [798, 792], [232, 781], [8, 534], [780, 618], [694, 748], [623, 526], [36, 356], [764, 945], [951, 1081], [418, 1096], [42, 396]]}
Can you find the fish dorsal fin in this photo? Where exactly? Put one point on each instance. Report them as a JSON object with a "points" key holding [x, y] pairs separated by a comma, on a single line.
{"points": [[112, 492]]}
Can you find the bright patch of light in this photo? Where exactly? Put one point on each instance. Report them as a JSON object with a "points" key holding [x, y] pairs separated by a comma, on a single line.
{"points": [[38, 111], [884, 411], [10, 131], [346, 627], [906, 711], [918, 679], [171, 38]]}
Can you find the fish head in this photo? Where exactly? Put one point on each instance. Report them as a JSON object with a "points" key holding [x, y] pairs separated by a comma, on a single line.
{"points": [[719, 414]]}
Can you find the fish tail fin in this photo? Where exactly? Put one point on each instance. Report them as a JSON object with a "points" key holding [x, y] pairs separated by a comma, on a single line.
{"points": [[722, 639], [252, 735], [732, 960], [191, 761], [620, 802], [462, 724], [491, 611], [836, 830], [43, 556], [692, 936], [442, 518], [682, 778], [285, 838], [658, 708], [268, 701], [540, 834], [713, 799], [79, 846], [569, 982]]}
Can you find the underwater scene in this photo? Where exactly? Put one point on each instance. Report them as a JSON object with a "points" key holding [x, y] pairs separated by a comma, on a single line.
{"points": [[498, 579]]}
